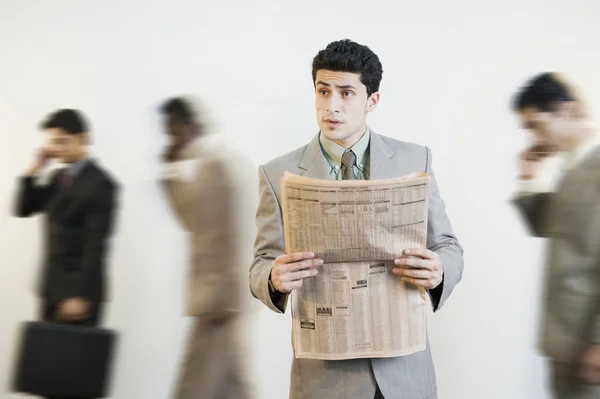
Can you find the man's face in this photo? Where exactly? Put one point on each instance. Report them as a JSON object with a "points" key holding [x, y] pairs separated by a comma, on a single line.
{"points": [[65, 147], [556, 129], [342, 105], [176, 129]]}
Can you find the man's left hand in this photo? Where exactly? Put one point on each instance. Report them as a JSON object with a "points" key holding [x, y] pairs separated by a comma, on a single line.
{"points": [[590, 365], [421, 267], [73, 309], [218, 319]]}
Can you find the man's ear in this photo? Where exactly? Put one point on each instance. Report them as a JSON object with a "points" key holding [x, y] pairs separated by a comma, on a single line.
{"points": [[86, 138], [372, 102], [569, 109]]}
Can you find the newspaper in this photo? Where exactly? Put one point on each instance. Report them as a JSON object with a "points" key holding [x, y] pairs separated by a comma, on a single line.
{"points": [[355, 307]]}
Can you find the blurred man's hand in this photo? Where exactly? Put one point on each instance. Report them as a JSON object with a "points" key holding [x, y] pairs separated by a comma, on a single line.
{"points": [[73, 309], [41, 158], [171, 153], [590, 365], [531, 159], [221, 318]]}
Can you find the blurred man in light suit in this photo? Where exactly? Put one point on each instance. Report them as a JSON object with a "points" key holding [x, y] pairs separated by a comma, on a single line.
{"points": [[346, 77], [568, 214], [211, 187]]}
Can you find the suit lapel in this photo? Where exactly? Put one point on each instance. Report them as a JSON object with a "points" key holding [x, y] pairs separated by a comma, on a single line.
{"points": [[313, 162], [315, 165], [379, 158]]}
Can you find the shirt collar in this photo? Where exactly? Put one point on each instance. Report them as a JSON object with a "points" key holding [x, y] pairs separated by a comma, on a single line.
{"points": [[76, 167], [574, 157], [334, 151]]}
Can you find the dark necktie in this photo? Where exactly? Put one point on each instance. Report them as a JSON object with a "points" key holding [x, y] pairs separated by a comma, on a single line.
{"points": [[348, 163]]}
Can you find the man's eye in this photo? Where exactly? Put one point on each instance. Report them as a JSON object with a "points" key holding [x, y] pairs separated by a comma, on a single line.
{"points": [[347, 93]]}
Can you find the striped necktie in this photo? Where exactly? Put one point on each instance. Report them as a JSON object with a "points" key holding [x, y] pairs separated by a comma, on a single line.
{"points": [[348, 163]]}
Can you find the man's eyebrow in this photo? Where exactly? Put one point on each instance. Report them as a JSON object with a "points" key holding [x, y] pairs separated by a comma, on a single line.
{"points": [[320, 82]]}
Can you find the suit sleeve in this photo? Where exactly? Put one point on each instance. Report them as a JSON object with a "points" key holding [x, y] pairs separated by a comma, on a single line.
{"points": [[32, 198], [182, 193], [588, 261], [213, 216], [533, 208], [98, 226], [268, 245], [442, 240]]}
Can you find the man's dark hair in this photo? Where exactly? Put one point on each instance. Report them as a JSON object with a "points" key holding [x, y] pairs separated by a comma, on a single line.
{"points": [[71, 121], [544, 92], [348, 56], [179, 109]]}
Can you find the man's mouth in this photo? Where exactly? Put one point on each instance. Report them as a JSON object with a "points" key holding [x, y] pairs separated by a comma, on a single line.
{"points": [[333, 122]]}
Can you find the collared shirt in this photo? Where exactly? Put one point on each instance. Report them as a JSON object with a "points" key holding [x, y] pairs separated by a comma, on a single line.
{"points": [[333, 153], [75, 168], [553, 171]]}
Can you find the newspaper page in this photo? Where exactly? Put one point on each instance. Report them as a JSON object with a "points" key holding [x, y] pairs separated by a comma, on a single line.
{"points": [[356, 307]]}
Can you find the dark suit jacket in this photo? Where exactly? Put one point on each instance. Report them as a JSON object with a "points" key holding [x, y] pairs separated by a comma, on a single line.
{"points": [[78, 225]]}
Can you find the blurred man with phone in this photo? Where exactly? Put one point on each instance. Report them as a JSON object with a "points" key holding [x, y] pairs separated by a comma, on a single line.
{"points": [[567, 213], [79, 203], [210, 186]]}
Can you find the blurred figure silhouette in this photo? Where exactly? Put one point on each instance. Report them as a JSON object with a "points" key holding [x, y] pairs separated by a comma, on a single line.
{"points": [[211, 188], [79, 202], [568, 214]]}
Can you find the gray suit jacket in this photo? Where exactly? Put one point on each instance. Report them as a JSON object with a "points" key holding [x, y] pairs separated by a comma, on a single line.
{"points": [[570, 218], [408, 377]]}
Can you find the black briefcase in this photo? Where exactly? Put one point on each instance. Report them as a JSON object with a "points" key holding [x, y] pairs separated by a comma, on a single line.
{"points": [[63, 360]]}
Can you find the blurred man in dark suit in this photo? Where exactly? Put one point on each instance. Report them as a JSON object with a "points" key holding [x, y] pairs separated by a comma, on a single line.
{"points": [[79, 203]]}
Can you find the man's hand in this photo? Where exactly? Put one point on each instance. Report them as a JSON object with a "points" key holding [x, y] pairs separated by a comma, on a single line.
{"points": [[290, 269], [172, 152], [531, 159], [420, 267], [590, 365], [41, 158], [218, 319], [73, 309]]}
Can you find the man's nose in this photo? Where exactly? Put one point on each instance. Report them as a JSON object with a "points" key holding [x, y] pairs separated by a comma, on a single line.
{"points": [[334, 104]]}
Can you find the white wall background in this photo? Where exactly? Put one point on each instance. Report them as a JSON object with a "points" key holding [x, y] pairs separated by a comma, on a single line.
{"points": [[449, 72]]}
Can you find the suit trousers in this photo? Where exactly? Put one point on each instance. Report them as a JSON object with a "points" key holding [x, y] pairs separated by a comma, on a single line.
{"points": [[567, 385], [213, 365], [49, 313]]}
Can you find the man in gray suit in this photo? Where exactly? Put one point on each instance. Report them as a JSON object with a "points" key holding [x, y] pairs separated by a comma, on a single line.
{"points": [[346, 76], [568, 214]]}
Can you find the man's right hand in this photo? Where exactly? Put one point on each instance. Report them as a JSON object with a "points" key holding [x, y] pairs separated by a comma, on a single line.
{"points": [[42, 156], [290, 269], [172, 152], [531, 159]]}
